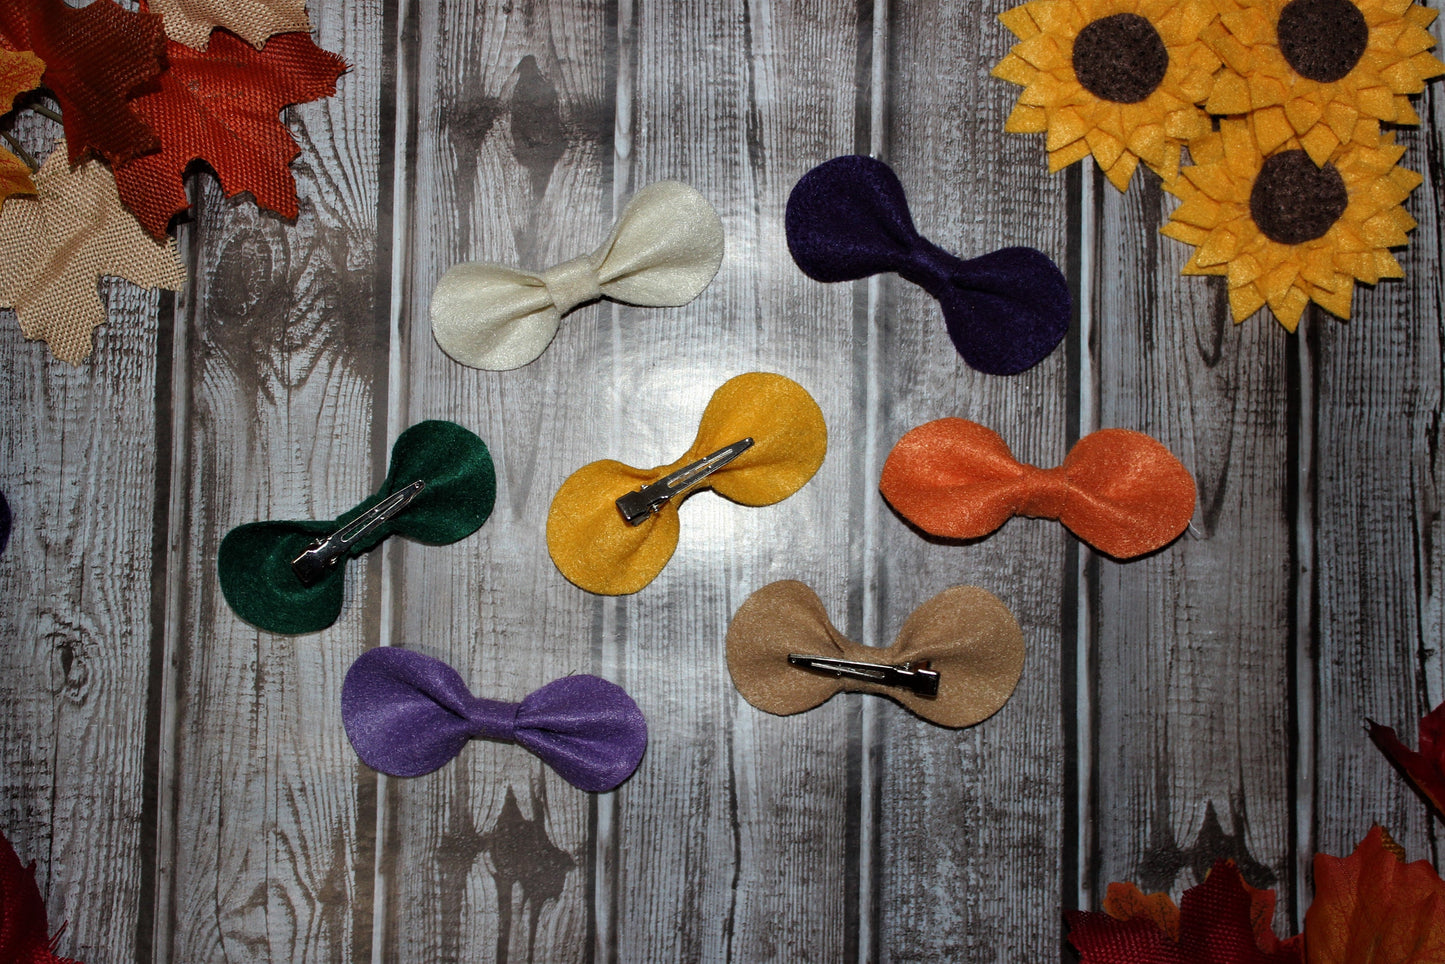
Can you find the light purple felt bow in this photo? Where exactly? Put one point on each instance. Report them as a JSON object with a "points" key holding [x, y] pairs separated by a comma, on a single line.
{"points": [[408, 714]]}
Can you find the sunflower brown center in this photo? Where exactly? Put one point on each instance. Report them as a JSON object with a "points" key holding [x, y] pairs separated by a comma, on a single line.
{"points": [[1120, 58], [1322, 39], [1293, 201]]}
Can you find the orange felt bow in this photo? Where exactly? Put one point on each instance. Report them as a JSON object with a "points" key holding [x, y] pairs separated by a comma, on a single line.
{"points": [[1120, 491], [599, 552]]}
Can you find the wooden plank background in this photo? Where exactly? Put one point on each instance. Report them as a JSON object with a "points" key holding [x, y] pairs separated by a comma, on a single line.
{"points": [[183, 782]]}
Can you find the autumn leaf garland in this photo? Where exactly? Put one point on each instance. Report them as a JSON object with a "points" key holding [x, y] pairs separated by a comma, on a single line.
{"points": [[148, 94], [1371, 906], [19, 72], [222, 106]]}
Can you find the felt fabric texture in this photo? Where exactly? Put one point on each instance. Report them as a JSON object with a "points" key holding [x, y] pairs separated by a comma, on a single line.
{"points": [[1120, 80], [1322, 73], [968, 636], [1120, 491], [848, 218], [1120, 58], [4, 523], [24, 932], [254, 562], [1227, 182], [663, 251], [1293, 201], [599, 552], [1322, 40], [408, 714]]}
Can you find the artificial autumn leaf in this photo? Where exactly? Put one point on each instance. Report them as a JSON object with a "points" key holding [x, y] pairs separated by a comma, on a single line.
{"points": [[190, 22], [56, 246], [1425, 769], [95, 58], [1373, 908], [1218, 922], [23, 927], [19, 72], [1127, 902], [222, 106]]}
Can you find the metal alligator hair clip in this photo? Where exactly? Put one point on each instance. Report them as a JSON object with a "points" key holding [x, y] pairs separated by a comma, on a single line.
{"points": [[915, 675], [637, 506], [323, 554]]}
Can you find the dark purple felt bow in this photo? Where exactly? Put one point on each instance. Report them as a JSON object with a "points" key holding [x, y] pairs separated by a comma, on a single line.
{"points": [[848, 218], [408, 714]]}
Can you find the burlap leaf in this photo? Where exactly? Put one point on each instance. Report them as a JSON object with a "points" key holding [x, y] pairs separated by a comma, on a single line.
{"points": [[190, 22], [96, 57], [224, 107], [55, 247]]}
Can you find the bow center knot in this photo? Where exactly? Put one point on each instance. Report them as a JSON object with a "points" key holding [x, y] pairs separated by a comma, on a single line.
{"points": [[929, 266], [1044, 492], [571, 283], [494, 719]]}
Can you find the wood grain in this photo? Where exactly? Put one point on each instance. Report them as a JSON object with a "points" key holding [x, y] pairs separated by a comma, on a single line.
{"points": [[78, 469], [1174, 634], [970, 822], [509, 112], [1376, 382], [283, 375], [184, 782], [732, 840]]}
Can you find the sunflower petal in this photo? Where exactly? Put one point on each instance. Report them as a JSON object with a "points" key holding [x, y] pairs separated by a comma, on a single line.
{"points": [[1229, 96], [1288, 307], [1244, 301]]}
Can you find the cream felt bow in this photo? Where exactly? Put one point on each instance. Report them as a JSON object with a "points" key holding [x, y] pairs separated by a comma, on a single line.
{"points": [[664, 250]]}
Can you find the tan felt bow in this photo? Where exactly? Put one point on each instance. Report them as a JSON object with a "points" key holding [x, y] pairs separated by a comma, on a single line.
{"points": [[664, 250], [965, 633]]}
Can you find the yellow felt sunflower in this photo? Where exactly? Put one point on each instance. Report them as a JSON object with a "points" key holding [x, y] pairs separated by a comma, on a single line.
{"points": [[1284, 231], [1323, 71], [1119, 79]]}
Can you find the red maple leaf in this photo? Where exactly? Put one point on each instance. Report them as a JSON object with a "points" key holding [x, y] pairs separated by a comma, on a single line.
{"points": [[1373, 908], [1425, 769], [1221, 921], [23, 936], [95, 58], [222, 106]]}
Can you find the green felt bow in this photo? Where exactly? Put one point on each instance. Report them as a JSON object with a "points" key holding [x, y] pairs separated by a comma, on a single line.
{"points": [[255, 559]]}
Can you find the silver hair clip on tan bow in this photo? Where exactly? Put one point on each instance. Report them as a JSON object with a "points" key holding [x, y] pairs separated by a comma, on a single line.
{"points": [[955, 663], [664, 250]]}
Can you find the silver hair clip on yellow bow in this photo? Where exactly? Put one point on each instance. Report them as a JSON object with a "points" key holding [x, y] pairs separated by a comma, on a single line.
{"points": [[664, 250]]}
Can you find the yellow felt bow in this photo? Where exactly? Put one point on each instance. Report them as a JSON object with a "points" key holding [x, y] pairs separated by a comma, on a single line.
{"points": [[598, 551]]}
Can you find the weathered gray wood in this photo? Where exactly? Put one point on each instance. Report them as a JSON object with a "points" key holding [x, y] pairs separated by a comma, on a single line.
{"points": [[971, 821], [509, 108], [283, 382], [1377, 383], [1191, 646], [78, 466], [732, 840], [852, 832]]}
